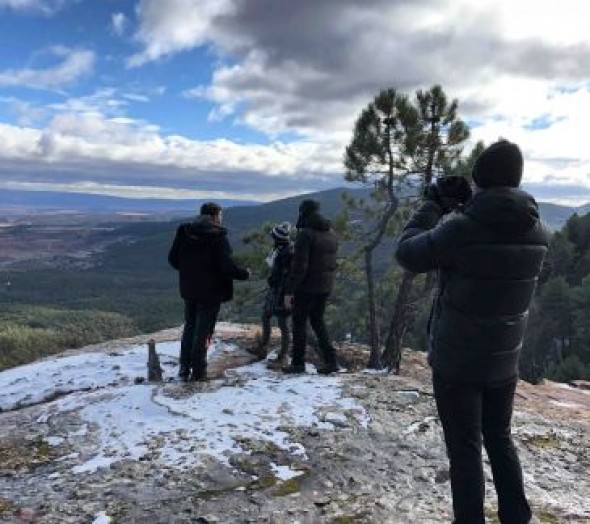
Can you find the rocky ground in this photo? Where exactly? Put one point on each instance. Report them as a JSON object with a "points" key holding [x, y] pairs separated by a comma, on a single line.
{"points": [[382, 462]]}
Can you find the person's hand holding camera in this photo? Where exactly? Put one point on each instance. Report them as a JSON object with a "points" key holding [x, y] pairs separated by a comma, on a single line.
{"points": [[450, 192]]}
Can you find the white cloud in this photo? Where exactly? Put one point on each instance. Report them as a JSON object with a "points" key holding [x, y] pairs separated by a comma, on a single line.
{"points": [[143, 191], [310, 67], [121, 151], [72, 66], [104, 100], [306, 69], [118, 23], [558, 148], [46, 7], [174, 25]]}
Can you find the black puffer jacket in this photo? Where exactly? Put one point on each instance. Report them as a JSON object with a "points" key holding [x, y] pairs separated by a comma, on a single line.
{"points": [[489, 258], [202, 255], [314, 260]]}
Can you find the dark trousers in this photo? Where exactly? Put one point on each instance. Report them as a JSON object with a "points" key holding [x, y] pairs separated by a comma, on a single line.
{"points": [[468, 413], [311, 306], [199, 324], [283, 326]]}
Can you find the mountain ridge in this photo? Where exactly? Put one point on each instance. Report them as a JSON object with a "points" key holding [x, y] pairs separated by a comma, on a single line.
{"points": [[19, 203], [41, 206]]}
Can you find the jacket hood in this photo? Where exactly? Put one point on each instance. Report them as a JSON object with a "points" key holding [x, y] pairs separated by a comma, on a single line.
{"points": [[202, 227], [503, 209], [313, 221]]}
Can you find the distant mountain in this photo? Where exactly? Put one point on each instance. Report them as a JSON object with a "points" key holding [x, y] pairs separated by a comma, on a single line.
{"points": [[240, 216], [20, 203], [241, 219], [556, 215]]}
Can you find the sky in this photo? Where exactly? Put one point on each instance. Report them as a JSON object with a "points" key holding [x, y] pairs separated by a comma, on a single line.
{"points": [[257, 99]]}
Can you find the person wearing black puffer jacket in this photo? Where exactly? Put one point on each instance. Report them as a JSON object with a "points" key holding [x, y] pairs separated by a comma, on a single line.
{"points": [[489, 253], [203, 257], [310, 284]]}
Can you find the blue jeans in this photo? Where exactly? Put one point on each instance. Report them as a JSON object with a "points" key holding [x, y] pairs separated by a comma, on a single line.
{"points": [[470, 414]]}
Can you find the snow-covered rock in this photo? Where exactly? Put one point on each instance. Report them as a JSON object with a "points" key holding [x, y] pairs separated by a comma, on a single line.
{"points": [[84, 438]]}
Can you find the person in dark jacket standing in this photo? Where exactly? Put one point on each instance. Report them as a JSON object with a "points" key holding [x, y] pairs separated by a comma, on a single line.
{"points": [[310, 284], [489, 256], [279, 262], [203, 257]]}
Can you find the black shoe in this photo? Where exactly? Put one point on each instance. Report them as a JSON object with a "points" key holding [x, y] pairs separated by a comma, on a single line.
{"points": [[259, 351], [328, 370], [199, 376], [183, 374], [294, 369]]}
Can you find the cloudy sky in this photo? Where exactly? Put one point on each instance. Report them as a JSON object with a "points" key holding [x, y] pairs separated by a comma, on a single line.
{"points": [[256, 99]]}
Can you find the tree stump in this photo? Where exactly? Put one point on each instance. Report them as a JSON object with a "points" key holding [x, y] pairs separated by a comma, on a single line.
{"points": [[154, 368]]}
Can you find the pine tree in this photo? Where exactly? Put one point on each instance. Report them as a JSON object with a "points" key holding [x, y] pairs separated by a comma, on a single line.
{"points": [[398, 146]]}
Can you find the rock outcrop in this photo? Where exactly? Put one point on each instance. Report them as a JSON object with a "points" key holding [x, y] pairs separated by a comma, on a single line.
{"points": [[252, 445]]}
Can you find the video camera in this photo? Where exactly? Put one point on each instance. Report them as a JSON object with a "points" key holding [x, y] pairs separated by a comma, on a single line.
{"points": [[449, 192]]}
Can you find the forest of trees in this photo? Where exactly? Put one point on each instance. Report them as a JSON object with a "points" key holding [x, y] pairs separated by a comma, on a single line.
{"points": [[558, 338]]}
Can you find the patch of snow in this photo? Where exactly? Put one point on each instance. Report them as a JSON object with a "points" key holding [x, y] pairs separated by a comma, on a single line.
{"points": [[54, 441], [335, 418], [284, 473], [83, 431], [172, 423], [102, 518], [563, 404], [36, 382], [563, 385], [70, 456], [368, 371]]}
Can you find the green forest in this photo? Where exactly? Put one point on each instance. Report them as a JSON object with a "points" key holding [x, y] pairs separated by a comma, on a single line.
{"points": [[47, 311], [399, 144]]}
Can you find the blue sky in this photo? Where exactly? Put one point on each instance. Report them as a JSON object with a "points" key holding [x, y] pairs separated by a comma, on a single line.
{"points": [[256, 99]]}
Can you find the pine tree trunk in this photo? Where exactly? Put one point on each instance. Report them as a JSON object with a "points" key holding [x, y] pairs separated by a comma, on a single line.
{"points": [[398, 325], [374, 357]]}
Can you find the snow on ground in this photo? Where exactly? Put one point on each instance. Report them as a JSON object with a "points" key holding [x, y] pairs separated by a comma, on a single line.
{"points": [[173, 424]]}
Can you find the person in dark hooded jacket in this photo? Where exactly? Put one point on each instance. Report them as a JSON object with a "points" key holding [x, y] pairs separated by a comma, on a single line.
{"points": [[310, 284], [279, 261], [489, 256], [203, 257]]}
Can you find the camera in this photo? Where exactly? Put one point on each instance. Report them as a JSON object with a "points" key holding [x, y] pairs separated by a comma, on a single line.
{"points": [[449, 192]]}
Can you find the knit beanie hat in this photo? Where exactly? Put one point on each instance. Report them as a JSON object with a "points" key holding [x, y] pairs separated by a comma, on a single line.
{"points": [[308, 206], [499, 165], [281, 232]]}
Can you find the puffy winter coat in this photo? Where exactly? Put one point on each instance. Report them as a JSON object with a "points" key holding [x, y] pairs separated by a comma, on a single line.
{"points": [[203, 257], [488, 257], [314, 260]]}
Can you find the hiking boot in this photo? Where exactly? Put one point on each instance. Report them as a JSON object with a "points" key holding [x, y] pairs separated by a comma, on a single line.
{"points": [[294, 369], [328, 370], [259, 351]]}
